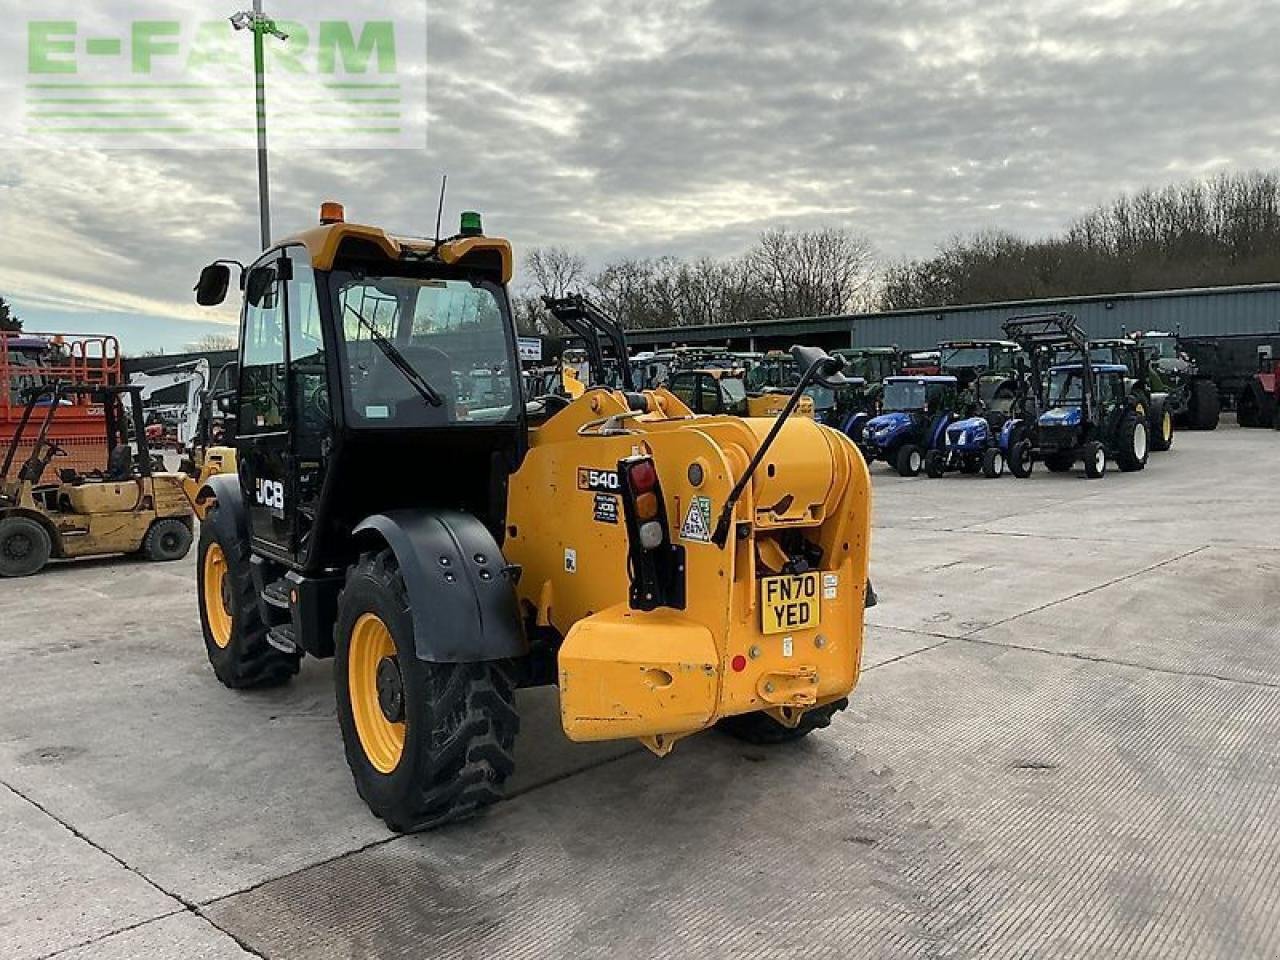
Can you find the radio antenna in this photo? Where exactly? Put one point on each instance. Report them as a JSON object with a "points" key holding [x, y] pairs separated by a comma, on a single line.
{"points": [[444, 184]]}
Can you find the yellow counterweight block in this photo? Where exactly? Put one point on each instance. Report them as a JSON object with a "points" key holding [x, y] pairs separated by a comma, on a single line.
{"points": [[750, 632]]}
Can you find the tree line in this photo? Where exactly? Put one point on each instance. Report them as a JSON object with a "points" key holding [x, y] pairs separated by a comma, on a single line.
{"points": [[1215, 232], [785, 274], [1220, 231]]}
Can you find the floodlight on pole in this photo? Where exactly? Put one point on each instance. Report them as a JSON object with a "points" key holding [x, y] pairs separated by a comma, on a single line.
{"points": [[261, 25]]}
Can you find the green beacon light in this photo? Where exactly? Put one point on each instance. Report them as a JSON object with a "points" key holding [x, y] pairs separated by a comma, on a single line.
{"points": [[471, 225]]}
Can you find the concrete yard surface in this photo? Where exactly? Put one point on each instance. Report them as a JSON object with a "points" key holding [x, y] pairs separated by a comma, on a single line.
{"points": [[1065, 743]]}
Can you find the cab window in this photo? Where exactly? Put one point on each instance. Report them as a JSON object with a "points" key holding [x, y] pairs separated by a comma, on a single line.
{"points": [[262, 364]]}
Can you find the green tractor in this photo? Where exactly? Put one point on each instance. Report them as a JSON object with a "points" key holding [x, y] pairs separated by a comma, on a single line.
{"points": [[1191, 395]]}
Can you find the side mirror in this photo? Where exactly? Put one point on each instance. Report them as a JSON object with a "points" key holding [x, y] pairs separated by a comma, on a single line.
{"points": [[211, 289], [829, 368]]}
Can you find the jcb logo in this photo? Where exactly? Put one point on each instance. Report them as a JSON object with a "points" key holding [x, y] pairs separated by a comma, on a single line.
{"points": [[270, 494], [606, 480]]}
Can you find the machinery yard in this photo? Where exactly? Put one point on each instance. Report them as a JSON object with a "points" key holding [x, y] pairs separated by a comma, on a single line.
{"points": [[1064, 744]]}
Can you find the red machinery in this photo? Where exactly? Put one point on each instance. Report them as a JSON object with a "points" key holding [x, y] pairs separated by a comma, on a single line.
{"points": [[40, 359]]}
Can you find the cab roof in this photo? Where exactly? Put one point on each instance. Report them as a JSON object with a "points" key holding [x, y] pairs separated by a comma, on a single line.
{"points": [[325, 242], [950, 381], [1097, 367]]}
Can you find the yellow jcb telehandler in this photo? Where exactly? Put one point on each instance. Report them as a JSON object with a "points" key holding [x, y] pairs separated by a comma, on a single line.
{"points": [[668, 572]]}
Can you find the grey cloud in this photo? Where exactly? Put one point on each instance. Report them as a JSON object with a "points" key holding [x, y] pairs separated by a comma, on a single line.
{"points": [[686, 127]]}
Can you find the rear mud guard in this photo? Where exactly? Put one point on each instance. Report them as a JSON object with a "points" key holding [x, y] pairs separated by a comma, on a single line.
{"points": [[461, 589]]}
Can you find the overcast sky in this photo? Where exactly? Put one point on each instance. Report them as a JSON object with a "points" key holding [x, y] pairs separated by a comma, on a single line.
{"points": [[684, 126]]}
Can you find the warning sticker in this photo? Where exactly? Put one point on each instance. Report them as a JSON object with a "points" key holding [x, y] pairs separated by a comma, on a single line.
{"points": [[697, 522], [606, 508], [830, 584], [570, 560]]}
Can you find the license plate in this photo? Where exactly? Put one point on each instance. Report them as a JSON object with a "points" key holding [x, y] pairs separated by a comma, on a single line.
{"points": [[790, 603]]}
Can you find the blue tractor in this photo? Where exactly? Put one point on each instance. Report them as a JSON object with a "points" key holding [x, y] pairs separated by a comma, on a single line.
{"points": [[979, 443], [1081, 411], [917, 412]]}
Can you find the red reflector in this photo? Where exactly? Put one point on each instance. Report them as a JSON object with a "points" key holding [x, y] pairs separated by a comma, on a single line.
{"points": [[739, 663], [642, 476], [647, 506]]}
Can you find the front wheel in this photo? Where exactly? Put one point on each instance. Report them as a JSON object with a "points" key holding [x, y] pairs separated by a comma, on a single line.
{"points": [[427, 743], [1095, 460], [235, 637], [1131, 445], [762, 730], [935, 463], [1021, 461], [992, 464], [1161, 426], [909, 460]]}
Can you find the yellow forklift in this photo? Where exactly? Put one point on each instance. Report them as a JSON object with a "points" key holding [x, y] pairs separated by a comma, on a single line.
{"points": [[669, 572], [130, 506]]}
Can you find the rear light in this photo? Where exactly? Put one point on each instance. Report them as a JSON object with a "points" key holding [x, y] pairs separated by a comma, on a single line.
{"points": [[655, 565], [646, 506]]}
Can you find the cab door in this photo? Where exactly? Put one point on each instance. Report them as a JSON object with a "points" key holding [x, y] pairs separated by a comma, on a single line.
{"points": [[263, 409]]}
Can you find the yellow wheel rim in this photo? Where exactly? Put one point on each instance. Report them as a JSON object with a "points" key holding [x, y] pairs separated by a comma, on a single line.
{"points": [[215, 599], [381, 738], [1167, 424]]}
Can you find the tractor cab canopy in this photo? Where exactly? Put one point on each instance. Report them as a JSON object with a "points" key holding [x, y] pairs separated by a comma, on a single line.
{"points": [[1067, 383], [978, 357], [930, 393]]}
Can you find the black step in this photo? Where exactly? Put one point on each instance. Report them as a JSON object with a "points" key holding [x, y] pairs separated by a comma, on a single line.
{"points": [[277, 594], [282, 639]]}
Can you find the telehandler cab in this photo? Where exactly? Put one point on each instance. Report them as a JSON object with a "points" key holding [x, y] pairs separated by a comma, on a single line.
{"points": [[669, 572]]}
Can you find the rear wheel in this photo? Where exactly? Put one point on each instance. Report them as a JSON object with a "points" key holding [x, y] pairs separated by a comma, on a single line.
{"points": [[1205, 406], [169, 538], [427, 743], [1131, 445], [235, 638], [1095, 460], [909, 460], [992, 464], [1249, 408], [24, 547], [935, 463], [760, 728], [1021, 462]]}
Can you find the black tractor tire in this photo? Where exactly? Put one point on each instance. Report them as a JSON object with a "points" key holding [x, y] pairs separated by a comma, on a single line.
{"points": [[237, 646], [992, 463], [908, 461], [1204, 405], [1249, 408], [1133, 444], [762, 730], [458, 721], [1095, 460], [25, 546], [935, 464], [1160, 425], [1021, 462], [168, 539], [1059, 462]]}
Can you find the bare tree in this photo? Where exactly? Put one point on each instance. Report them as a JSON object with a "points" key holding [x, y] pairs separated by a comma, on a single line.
{"points": [[812, 273], [214, 343]]}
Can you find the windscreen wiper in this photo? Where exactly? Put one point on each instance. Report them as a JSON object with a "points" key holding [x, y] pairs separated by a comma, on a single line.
{"points": [[407, 370]]}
